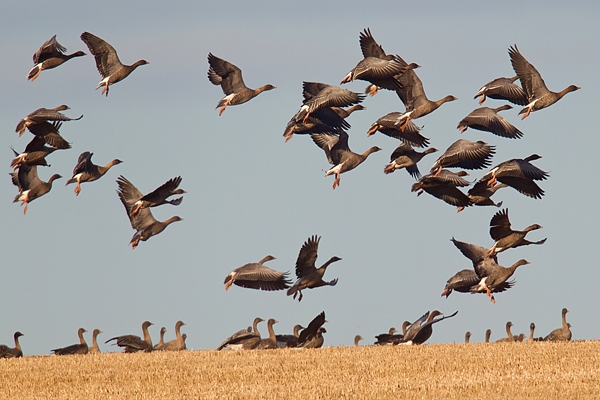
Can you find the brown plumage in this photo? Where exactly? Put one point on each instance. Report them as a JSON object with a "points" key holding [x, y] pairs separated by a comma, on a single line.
{"points": [[309, 277], [258, 276], [444, 185], [318, 96], [494, 276], [29, 184], [229, 77], [35, 154], [465, 154], [107, 61], [161, 342], [289, 340], [43, 115], [357, 339], [467, 337], [49, 133], [160, 195], [50, 55], [95, 349], [406, 157], [339, 154], [538, 95], [563, 333], [519, 174], [488, 120], [312, 336], [507, 238], [531, 336], [81, 348], [488, 334], [246, 339], [178, 343], [421, 330], [509, 336], [345, 112], [87, 171], [133, 343], [389, 127], [480, 194], [271, 341], [392, 338], [503, 89], [143, 222], [12, 352]]}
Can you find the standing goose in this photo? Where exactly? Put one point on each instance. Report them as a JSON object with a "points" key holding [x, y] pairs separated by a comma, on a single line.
{"points": [[311, 337], [391, 338], [43, 115], [12, 352], [509, 336], [229, 77], [87, 171], [133, 343], [503, 89], [388, 126], [561, 334], [322, 95], [357, 339], [414, 98], [258, 276], [339, 154], [488, 120], [309, 277], [465, 154], [178, 343], [81, 348], [488, 334], [143, 222], [107, 62], [289, 340], [49, 133], [480, 194], [35, 154], [160, 195], [406, 157], [49, 56], [531, 337], [95, 349], [444, 186], [246, 339], [538, 95], [29, 184], [271, 341], [519, 174], [505, 237], [161, 342], [467, 337]]}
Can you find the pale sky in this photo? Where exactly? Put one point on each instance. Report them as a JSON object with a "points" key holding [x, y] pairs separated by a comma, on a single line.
{"points": [[67, 264]]}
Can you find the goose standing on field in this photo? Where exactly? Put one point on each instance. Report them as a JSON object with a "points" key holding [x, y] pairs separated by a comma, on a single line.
{"points": [[531, 331], [246, 339], [49, 133], [538, 95], [488, 334], [488, 120], [107, 62], [161, 343], [309, 277], [12, 352], [29, 184], [406, 157], [81, 348], [464, 154], [271, 341], [467, 337], [229, 77], [143, 221], [507, 238], [503, 89], [392, 338], [519, 174], [509, 338], [133, 343], [357, 339], [49, 56], [87, 171], [258, 276], [43, 115], [339, 154], [95, 348], [178, 343], [561, 334], [289, 340]]}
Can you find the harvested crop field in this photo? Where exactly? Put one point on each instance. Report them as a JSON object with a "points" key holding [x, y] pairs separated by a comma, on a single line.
{"points": [[519, 370]]}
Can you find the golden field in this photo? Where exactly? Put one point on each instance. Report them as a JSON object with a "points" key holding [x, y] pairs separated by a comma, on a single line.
{"points": [[436, 371]]}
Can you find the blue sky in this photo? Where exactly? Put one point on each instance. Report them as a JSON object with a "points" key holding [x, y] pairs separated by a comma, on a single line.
{"points": [[67, 264]]}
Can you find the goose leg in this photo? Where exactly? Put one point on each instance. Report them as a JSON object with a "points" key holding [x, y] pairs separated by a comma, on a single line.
{"points": [[492, 181], [78, 188], [336, 181], [36, 74], [403, 126], [26, 205], [526, 113], [482, 99]]}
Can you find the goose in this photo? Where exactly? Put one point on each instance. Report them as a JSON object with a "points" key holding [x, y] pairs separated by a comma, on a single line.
{"points": [[258, 276], [87, 171], [29, 184], [503, 89], [507, 238], [12, 352], [133, 343], [80, 348], [50, 55], [563, 333], [487, 119]]}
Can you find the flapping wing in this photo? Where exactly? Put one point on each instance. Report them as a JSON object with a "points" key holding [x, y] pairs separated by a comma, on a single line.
{"points": [[107, 60]]}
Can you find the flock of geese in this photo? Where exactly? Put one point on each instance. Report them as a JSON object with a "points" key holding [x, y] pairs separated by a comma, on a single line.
{"points": [[322, 115]]}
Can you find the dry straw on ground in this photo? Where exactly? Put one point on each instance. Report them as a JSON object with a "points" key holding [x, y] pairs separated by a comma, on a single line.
{"points": [[442, 371]]}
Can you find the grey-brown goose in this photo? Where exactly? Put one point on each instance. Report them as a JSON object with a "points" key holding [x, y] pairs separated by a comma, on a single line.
{"points": [[480, 194], [465, 154], [29, 184], [339, 154], [143, 222], [531, 334], [289, 340], [519, 174], [422, 329], [50, 55], [520, 337], [509, 336], [322, 96], [50, 134], [246, 339], [507, 238], [392, 338], [414, 98], [388, 126], [444, 185], [312, 336], [229, 77], [406, 157], [376, 67], [94, 348], [80, 348], [107, 61], [561, 334], [12, 352], [161, 343], [309, 277], [493, 276], [258, 276], [488, 120], [464, 281], [43, 115], [488, 334], [87, 171], [357, 339], [503, 89], [467, 337], [35, 154], [133, 343], [271, 341], [538, 95], [160, 195], [345, 112], [178, 343]]}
